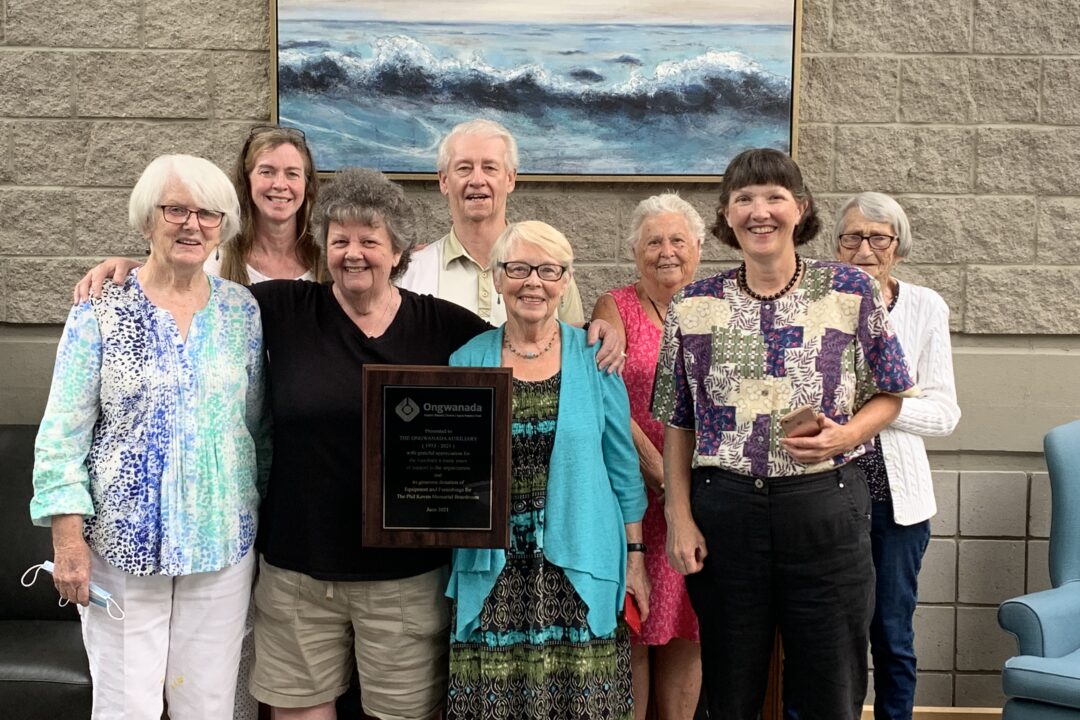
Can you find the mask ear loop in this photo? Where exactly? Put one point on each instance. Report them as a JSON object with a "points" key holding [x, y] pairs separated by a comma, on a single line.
{"points": [[109, 605], [62, 602]]}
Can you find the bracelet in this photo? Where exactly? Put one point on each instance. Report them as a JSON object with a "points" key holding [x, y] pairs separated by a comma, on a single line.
{"points": [[636, 547]]}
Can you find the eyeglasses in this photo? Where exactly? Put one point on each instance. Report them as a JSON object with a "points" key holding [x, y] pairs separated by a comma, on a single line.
{"points": [[521, 270], [178, 215], [877, 242], [290, 131]]}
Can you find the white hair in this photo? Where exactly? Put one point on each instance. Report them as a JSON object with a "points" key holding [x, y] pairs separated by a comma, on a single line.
{"points": [[878, 207], [665, 203], [210, 188], [484, 128]]}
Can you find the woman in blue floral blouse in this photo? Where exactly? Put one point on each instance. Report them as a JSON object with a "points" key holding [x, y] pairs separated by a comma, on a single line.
{"points": [[151, 453], [774, 531]]}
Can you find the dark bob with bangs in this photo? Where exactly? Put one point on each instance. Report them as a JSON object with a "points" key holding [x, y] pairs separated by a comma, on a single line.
{"points": [[765, 166]]}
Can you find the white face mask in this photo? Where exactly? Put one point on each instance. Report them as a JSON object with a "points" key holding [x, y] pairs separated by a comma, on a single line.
{"points": [[98, 595]]}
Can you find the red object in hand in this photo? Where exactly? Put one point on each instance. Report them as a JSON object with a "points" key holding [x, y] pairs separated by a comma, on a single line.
{"points": [[632, 614]]}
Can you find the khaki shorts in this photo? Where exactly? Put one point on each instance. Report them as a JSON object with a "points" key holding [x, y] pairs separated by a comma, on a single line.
{"points": [[306, 631]]}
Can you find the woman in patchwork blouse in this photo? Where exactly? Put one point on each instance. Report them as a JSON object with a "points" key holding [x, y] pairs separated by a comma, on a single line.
{"points": [[774, 531], [150, 455]]}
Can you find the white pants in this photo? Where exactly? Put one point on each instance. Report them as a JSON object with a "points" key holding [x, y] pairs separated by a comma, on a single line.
{"points": [[180, 634]]}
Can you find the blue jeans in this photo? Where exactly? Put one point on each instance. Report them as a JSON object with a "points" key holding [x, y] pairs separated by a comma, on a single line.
{"points": [[898, 553]]}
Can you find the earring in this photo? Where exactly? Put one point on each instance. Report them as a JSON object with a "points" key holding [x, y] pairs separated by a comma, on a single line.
{"points": [[498, 299]]}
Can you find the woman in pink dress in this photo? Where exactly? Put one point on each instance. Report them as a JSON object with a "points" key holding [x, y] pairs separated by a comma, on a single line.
{"points": [[666, 235]]}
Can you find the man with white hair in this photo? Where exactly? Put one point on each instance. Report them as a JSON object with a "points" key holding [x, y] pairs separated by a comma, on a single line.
{"points": [[477, 163]]}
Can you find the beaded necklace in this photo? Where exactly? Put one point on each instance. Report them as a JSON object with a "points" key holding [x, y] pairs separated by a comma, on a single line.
{"points": [[745, 287], [530, 355]]}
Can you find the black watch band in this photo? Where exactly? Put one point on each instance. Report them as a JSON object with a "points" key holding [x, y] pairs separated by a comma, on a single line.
{"points": [[636, 547]]}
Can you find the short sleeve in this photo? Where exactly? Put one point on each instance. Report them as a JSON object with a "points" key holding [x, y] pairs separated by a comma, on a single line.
{"points": [[880, 366], [672, 399]]}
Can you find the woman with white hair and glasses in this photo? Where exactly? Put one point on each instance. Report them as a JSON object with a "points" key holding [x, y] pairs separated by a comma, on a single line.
{"points": [[150, 455], [873, 233], [666, 234]]}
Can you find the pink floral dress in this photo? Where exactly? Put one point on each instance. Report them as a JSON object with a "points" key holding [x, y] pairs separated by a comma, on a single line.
{"points": [[670, 614]]}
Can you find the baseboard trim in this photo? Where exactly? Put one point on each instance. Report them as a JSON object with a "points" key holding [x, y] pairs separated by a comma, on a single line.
{"points": [[944, 713]]}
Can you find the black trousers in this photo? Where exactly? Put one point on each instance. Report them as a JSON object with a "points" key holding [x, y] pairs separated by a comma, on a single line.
{"points": [[792, 552]]}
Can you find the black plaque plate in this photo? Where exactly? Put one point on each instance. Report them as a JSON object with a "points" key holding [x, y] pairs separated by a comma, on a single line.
{"points": [[436, 456]]}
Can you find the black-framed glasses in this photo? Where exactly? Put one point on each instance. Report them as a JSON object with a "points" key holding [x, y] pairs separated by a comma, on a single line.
{"points": [[178, 215], [851, 241], [522, 270], [290, 131]]}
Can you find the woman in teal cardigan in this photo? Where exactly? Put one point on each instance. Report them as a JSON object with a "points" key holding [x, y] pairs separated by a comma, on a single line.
{"points": [[536, 631]]}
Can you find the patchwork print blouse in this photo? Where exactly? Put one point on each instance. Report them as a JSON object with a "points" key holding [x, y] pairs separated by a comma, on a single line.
{"points": [[730, 366], [157, 441]]}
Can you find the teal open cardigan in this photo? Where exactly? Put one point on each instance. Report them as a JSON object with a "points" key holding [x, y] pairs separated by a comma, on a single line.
{"points": [[594, 488]]}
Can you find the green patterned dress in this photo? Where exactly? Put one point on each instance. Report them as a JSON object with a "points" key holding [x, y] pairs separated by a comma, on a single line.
{"points": [[533, 656]]}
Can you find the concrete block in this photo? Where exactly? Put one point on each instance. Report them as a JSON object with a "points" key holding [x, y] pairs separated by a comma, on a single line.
{"points": [[39, 290], [848, 89], [988, 230], [66, 23], [143, 84], [1038, 566], [815, 156], [241, 25], [980, 644], [946, 494], [1034, 160], [35, 222], [1058, 229], [1011, 393], [937, 578], [935, 632], [432, 213], [36, 84], [899, 26], [101, 224], [121, 150], [934, 689], [947, 281], [590, 219], [1039, 27], [5, 152], [241, 85], [990, 571], [595, 280], [1039, 506], [979, 691], [815, 26], [993, 504], [1061, 91], [969, 90], [903, 159], [1013, 300], [48, 152]]}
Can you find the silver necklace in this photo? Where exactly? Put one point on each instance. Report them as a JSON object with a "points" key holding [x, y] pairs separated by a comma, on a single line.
{"points": [[529, 355]]}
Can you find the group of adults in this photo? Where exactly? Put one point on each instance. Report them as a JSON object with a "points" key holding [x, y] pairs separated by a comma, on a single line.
{"points": [[193, 422]]}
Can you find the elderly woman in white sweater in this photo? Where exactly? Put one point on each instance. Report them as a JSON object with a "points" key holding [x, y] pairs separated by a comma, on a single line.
{"points": [[873, 233]]}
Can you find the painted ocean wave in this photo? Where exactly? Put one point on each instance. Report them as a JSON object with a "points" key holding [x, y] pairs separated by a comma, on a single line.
{"points": [[402, 67]]}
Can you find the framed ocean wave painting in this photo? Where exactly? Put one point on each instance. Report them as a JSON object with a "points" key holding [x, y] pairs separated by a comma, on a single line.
{"points": [[591, 89]]}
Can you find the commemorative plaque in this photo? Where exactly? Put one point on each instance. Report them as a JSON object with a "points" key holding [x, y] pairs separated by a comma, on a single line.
{"points": [[436, 456]]}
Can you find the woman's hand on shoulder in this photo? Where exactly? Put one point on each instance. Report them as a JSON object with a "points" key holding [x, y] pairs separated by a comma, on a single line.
{"points": [[833, 439], [115, 268], [685, 545], [612, 353]]}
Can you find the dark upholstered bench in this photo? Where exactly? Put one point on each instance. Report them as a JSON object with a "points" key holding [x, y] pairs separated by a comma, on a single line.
{"points": [[43, 669]]}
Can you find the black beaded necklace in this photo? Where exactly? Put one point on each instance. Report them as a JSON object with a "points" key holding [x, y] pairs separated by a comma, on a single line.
{"points": [[745, 287]]}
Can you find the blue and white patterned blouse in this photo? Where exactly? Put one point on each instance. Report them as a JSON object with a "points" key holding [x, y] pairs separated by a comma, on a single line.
{"points": [[162, 444]]}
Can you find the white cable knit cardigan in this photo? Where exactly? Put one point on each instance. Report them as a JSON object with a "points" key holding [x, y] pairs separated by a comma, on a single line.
{"points": [[921, 321]]}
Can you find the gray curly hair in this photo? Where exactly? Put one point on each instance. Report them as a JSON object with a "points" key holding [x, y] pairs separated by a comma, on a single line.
{"points": [[366, 196]]}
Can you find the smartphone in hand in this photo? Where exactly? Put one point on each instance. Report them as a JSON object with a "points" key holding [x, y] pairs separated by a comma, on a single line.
{"points": [[800, 422]]}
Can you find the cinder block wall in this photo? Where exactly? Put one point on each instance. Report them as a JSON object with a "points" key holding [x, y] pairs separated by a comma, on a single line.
{"points": [[967, 110]]}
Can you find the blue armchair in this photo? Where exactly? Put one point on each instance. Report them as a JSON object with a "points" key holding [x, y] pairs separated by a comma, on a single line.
{"points": [[1043, 682]]}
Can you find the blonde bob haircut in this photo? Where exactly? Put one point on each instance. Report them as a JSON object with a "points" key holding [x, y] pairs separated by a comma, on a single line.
{"points": [[537, 233], [209, 187]]}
